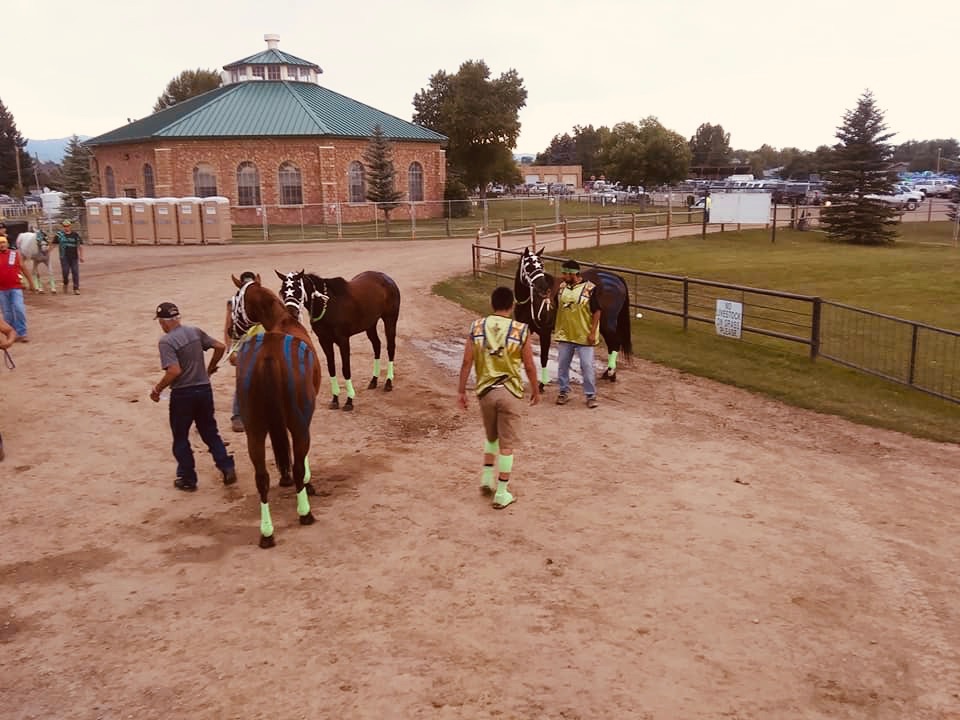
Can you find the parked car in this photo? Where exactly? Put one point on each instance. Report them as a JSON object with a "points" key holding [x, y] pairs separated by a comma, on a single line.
{"points": [[935, 187], [900, 201]]}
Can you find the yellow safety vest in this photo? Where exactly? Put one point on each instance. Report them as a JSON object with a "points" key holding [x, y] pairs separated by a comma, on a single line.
{"points": [[498, 353], [574, 318]]}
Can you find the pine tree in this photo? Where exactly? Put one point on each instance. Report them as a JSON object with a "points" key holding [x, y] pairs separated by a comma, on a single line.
{"points": [[11, 145], [862, 167], [77, 181], [381, 175]]}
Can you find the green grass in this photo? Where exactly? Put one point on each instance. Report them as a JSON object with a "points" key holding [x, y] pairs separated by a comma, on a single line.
{"points": [[916, 279]]}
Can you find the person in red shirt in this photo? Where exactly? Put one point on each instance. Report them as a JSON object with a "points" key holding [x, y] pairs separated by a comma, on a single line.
{"points": [[11, 291]]}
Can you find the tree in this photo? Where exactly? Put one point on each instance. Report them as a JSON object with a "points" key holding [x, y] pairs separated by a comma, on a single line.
{"points": [[12, 146], [710, 146], [589, 141], [645, 154], [479, 116], [188, 84], [381, 175], [77, 181], [926, 154], [862, 160], [562, 150]]}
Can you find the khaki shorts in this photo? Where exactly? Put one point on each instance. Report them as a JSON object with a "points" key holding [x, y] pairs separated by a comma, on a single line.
{"points": [[501, 416]]}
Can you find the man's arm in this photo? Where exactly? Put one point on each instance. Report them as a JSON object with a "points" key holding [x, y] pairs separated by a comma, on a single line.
{"points": [[218, 349], [531, 368], [465, 367], [170, 373]]}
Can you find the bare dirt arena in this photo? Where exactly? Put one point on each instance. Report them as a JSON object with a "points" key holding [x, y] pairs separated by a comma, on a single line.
{"points": [[687, 550]]}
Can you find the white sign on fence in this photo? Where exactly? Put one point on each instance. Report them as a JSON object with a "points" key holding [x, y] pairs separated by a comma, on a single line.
{"points": [[729, 318]]}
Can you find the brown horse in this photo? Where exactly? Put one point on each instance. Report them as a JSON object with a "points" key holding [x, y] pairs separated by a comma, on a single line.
{"points": [[278, 377], [338, 310]]}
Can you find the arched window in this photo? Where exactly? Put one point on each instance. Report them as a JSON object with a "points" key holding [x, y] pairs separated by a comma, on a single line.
{"points": [[248, 184], [204, 180], [149, 188], [415, 182], [291, 185], [110, 182], [356, 183]]}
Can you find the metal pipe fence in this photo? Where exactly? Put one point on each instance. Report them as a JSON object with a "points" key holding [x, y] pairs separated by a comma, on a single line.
{"points": [[908, 352]]}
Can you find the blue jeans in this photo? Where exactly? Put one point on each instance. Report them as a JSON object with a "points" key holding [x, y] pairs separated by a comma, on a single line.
{"points": [[191, 405], [13, 309], [68, 266], [565, 352]]}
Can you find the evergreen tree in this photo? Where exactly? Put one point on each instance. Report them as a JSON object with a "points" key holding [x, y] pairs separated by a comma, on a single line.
{"points": [[186, 85], [381, 175], [862, 168], [77, 180], [12, 144]]}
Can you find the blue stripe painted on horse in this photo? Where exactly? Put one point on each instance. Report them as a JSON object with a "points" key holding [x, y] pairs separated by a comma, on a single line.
{"points": [[254, 349]]}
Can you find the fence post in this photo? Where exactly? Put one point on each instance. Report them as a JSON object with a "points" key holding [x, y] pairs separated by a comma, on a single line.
{"points": [[633, 227], [448, 220], [413, 221], [499, 241], [533, 237], [669, 213], [913, 354], [929, 209], [564, 234], [598, 231], [815, 328], [686, 302], [476, 262], [302, 233]]}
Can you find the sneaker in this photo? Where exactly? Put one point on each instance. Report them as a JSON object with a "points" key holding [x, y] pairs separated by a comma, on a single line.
{"points": [[591, 402], [502, 499], [229, 476], [181, 484], [562, 398], [76, 291], [237, 425]]}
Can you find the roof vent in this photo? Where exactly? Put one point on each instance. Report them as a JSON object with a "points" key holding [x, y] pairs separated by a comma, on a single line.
{"points": [[272, 40]]}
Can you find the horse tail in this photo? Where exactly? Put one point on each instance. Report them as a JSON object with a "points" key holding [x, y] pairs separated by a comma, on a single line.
{"points": [[275, 414]]}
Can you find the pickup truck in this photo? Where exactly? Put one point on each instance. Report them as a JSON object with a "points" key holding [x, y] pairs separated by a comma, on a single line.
{"points": [[899, 200], [935, 187]]}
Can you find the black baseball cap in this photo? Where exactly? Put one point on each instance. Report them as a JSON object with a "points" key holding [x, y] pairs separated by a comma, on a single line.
{"points": [[167, 311]]}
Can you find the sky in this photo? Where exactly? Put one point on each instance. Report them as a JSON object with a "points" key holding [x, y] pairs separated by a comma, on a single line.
{"points": [[781, 73]]}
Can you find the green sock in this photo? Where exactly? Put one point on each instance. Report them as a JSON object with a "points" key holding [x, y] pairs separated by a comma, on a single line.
{"points": [[266, 524], [376, 367], [303, 505], [350, 391], [390, 370], [335, 386], [612, 360]]}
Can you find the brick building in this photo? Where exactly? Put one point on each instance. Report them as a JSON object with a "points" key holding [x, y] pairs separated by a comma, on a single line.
{"points": [[271, 136]]}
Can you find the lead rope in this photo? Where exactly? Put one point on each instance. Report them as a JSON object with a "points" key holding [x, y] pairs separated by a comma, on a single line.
{"points": [[8, 360]]}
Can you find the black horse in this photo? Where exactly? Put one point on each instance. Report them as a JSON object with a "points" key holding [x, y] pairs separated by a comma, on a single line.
{"points": [[338, 310], [536, 290]]}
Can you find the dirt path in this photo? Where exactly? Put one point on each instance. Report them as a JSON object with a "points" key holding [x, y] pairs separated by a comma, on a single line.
{"points": [[688, 550]]}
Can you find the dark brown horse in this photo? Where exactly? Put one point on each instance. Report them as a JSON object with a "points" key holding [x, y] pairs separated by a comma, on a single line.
{"points": [[278, 377], [338, 310]]}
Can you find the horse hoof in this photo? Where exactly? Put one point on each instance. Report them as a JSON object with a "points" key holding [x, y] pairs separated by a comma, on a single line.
{"points": [[286, 480], [372, 385], [612, 378], [348, 405], [334, 404], [266, 542], [307, 519], [541, 387], [388, 386], [309, 488]]}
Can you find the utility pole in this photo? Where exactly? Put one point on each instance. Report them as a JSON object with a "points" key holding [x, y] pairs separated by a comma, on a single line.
{"points": [[939, 152], [16, 154]]}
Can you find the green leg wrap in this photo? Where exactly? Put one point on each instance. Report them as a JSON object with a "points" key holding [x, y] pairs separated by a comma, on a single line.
{"points": [[506, 464], [491, 447], [335, 386], [303, 505], [390, 370], [488, 475], [266, 524], [306, 470], [544, 375], [351, 393], [376, 367], [612, 360]]}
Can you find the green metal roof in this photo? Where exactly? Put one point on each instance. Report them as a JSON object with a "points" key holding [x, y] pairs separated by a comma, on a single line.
{"points": [[272, 56], [267, 108]]}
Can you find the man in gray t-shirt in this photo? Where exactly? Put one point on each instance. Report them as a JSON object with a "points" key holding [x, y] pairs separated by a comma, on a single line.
{"points": [[191, 397]]}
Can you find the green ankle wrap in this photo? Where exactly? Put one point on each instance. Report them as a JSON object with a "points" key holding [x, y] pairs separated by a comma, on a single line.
{"points": [[303, 505], [544, 375], [612, 360], [306, 470], [266, 524], [488, 475], [491, 447], [505, 463], [376, 367], [390, 370], [335, 386], [351, 393]]}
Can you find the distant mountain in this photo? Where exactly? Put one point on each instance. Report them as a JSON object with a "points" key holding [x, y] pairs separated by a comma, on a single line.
{"points": [[50, 150]]}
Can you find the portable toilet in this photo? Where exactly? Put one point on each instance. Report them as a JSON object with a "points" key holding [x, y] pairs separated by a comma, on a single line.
{"points": [[165, 221], [217, 224], [121, 229], [98, 221], [189, 220], [144, 229]]}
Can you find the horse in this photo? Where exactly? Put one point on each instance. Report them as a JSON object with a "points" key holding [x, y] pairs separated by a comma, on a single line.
{"points": [[338, 310], [278, 378], [36, 248], [535, 292]]}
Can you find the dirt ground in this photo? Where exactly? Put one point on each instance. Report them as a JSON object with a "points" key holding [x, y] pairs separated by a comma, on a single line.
{"points": [[687, 550]]}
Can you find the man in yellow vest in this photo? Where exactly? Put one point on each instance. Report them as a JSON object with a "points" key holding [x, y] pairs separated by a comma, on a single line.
{"points": [[495, 349], [576, 331]]}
